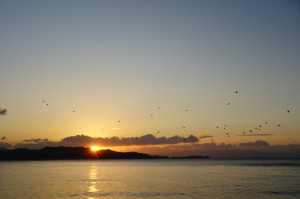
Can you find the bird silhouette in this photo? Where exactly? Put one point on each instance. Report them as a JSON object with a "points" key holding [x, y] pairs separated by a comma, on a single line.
{"points": [[212, 140], [259, 125], [236, 92], [279, 125], [118, 121], [244, 132], [184, 127], [159, 107], [157, 131], [47, 104], [266, 122], [151, 115], [250, 131], [185, 110], [226, 133], [228, 104], [3, 138], [225, 125], [43, 101], [288, 111], [73, 111], [217, 127]]}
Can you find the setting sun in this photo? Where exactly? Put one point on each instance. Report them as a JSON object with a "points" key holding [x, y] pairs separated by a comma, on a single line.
{"points": [[94, 148]]}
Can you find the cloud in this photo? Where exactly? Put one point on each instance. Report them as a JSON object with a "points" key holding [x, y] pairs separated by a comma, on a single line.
{"points": [[148, 139], [223, 150], [5, 145], [36, 140], [211, 145], [256, 135], [87, 141], [257, 143], [3, 111], [204, 136]]}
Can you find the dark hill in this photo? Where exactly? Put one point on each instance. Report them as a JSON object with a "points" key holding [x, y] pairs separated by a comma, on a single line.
{"points": [[68, 153]]}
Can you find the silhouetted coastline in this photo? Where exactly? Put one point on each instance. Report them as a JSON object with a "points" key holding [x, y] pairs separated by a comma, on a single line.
{"points": [[68, 153]]}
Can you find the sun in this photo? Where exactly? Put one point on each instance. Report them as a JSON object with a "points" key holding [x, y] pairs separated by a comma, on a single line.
{"points": [[94, 148]]}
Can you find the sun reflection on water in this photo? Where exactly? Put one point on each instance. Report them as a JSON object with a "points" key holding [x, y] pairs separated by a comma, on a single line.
{"points": [[92, 177]]}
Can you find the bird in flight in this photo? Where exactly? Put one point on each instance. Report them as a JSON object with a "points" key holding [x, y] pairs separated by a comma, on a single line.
{"points": [[228, 104], [159, 107], [43, 101], [183, 127], [3, 138], [266, 122], [250, 131], [73, 111], [288, 111], [157, 131], [236, 92], [226, 133], [118, 121], [151, 115], [217, 127], [279, 125], [185, 110], [244, 132], [47, 104], [212, 140]]}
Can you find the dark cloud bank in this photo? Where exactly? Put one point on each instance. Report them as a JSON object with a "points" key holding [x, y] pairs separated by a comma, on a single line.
{"points": [[173, 146]]}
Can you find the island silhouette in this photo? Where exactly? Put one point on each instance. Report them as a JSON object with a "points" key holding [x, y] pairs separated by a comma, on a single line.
{"points": [[76, 153]]}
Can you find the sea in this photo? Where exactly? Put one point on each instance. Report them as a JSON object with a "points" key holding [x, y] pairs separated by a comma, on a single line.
{"points": [[152, 178]]}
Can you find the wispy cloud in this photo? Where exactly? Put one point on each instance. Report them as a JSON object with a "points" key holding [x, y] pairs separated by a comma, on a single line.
{"points": [[36, 140], [204, 136], [256, 135], [3, 111], [257, 143]]}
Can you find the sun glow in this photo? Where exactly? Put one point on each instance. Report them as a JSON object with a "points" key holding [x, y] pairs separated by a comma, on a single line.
{"points": [[94, 148]]}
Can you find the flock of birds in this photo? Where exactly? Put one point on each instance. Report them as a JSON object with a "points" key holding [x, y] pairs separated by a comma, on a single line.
{"points": [[256, 128]]}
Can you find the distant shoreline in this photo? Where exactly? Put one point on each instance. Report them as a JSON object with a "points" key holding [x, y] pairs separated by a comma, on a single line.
{"points": [[77, 153]]}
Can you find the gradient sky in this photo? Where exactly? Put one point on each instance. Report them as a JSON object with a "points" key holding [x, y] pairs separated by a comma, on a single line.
{"points": [[113, 61]]}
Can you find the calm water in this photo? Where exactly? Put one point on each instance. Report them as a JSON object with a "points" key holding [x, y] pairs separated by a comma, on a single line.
{"points": [[150, 179]]}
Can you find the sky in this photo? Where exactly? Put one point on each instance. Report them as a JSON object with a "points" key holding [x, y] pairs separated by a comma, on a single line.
{"points": [[151, 76]]}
